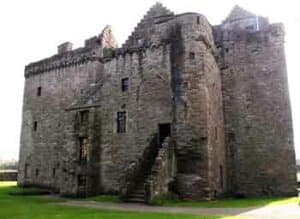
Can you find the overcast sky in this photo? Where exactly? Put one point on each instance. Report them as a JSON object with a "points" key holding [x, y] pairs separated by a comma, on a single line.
{"points": [[31, 30]]}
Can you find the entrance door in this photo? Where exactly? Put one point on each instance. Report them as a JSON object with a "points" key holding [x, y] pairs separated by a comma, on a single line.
{"points": [[164, 131]]}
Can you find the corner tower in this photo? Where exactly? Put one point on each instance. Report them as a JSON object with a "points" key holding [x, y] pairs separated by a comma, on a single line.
{"points": [[258, 123]]}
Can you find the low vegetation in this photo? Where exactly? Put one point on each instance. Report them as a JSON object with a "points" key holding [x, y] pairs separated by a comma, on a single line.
{"points": [[44, 207]]}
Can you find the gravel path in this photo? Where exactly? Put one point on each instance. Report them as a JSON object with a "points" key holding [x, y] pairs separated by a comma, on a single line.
{"points": [[289, 211]]}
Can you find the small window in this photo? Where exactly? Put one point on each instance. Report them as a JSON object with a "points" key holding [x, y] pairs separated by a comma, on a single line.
{"points": [[84, 116], [121, 122], [124, 84], [83, 150], [39, 91], [26, 171], [226, 50], [231, 137], [37, 172], [221, 177], [53, 172], [82, 179], [250, 27], [216, 133], [198, 20], [35, 126], [191, 55]]}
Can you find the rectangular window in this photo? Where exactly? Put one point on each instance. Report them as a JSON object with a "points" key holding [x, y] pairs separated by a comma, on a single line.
{"points": [[231, 137], [121, 122], [83, 150], [216, 133], [221, 177], [125, 84], [39, 91], [198, 20], [26, 171], [37, 172], [53, 172], [35, 126], [84, 116], [82, 179]]}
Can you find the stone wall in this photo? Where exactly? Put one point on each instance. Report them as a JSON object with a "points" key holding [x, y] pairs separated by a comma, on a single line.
{"points": [[61, 79], [259, 133]]}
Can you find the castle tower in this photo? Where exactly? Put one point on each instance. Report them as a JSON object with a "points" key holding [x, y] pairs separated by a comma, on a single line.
{"points": [[259, 133]]}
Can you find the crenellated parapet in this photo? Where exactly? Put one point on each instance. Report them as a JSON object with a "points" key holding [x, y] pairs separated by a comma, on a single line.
{"points": [[64, 60]]}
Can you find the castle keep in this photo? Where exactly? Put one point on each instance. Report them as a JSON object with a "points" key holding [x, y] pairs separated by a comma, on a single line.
{"points": [[183, 106]]}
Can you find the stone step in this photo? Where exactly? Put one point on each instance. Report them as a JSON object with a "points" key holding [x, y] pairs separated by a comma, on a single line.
{"points": [[136, 200], [137, 195]]}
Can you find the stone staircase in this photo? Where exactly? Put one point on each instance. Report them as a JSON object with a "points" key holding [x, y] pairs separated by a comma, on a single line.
{"points": [[138, 193]]}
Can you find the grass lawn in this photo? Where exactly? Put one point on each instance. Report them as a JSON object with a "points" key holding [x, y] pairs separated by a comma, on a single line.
{"points": [[41, 207]]}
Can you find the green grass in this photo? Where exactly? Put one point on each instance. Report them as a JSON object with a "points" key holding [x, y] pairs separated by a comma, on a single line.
{"points": [[105, 198], [232, 203], [43, 207]]}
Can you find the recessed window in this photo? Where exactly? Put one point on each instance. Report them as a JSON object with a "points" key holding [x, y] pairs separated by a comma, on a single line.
{"points": [[37, 172], [231, 137], [221, 176], [83, 150], [125, 84], [198, 20], [226, 50], [82, 179], [53, 172], [35, 126], [84, 116], [26, 171], [250, 27], [191, 55], [39, 91], [121, 122], [216, 133]]}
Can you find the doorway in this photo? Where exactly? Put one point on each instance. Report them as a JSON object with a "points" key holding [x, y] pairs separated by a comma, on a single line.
{"points": [[164, 131]]}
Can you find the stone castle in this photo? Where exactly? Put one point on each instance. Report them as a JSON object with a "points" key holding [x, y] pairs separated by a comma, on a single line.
{"points": [[182, 106]]}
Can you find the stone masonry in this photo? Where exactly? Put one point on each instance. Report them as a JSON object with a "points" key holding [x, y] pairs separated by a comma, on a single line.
{"points": [[182, 107]]}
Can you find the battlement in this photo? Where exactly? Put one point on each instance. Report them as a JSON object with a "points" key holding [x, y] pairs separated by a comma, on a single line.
{"points": [[66, 57]]}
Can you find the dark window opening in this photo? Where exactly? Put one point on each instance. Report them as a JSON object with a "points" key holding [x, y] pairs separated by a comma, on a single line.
{"points": [[26, 170], [231, 137], [37, 172], [53, 172], [83, 150], [121, 122], [164, 131], [226, 50], [35, 126], [221, 177], [84, 116], [198, 20], [82, 180], [125, 84], [250, 27], [192, 55], [216, 133], [39, 91]]}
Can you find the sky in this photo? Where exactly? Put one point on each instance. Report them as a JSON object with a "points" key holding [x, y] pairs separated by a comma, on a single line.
{"points": [[32, 29]]}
